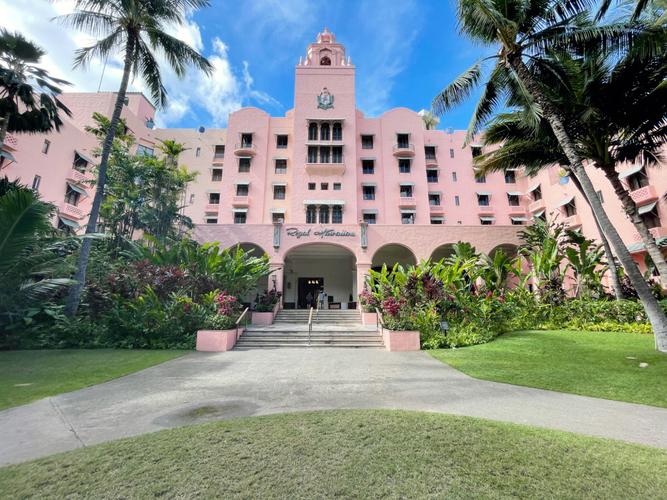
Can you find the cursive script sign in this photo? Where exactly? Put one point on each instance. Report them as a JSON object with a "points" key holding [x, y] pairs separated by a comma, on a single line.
{"points": [[318, 233]]}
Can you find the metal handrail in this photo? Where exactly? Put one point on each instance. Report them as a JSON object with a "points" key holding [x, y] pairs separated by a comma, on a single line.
{"points": [[243, 315], [379, 321], [310, 323]]}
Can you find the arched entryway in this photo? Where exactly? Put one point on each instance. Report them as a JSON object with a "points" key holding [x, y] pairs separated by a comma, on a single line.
{"points": [[314, 266], [392, 254], [263, 283], [509, 249], [442, 252]]}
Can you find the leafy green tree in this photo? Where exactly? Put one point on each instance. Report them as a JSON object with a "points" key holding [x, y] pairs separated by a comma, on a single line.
{"points": [[137, 28], [524, 33], [585, 259], [28, 94]]}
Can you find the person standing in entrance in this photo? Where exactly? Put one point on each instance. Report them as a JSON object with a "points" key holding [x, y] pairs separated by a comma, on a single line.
{"points": [[321, 299], [309, 299]]}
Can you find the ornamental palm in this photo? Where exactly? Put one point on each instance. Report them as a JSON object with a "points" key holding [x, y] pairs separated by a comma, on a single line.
{"points": [[28, 94], [137, 29], [523, 30]]}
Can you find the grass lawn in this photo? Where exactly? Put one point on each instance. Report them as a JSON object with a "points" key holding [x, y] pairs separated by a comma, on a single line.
{"points": [[348, 454], [602, 365], [29, 375]]}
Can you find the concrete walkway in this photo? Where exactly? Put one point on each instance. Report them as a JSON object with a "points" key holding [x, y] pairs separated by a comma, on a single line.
{"points": [[201, 387]]}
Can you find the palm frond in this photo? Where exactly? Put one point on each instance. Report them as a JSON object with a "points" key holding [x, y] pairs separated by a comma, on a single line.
{"points": [[457, 91]]}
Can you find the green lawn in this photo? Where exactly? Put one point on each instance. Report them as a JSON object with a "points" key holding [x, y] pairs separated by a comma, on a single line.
{"points": [[347, 454], [603, 365], [29, 375]]}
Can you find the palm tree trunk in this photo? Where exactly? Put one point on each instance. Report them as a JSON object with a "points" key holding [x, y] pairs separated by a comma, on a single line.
{"points": [[611, 262], [630, 208], [74, 296], [653, 310]]}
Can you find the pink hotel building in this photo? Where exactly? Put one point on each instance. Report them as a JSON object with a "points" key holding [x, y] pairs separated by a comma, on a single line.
{"points": [[326, 192]]}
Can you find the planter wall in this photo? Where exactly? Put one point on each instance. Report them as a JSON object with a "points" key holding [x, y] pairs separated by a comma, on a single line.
{"points": [[216, 340], [265, 318], [369, 318], [404, 340]]}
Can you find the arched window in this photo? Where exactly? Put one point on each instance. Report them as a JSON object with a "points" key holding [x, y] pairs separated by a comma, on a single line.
{"points": [[337, 132], [325, 61], [312, 131], [337, 215], [324, 214], [325, 132], [311, 214]]}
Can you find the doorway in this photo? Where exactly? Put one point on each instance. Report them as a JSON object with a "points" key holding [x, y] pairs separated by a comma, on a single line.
{"points": [[309, 288]]}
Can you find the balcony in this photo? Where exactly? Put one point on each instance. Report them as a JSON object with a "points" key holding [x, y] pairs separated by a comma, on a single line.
{"points": [[431, 161], [437, 209], [404, 150], [572, 221], [77, 177], [245, 149], [330, 167], [212, 208], [240, 201], [325, 142], [644, 195], [71, 211], [218, 159], [407, 201], [659, 232], [536, 206], [486, 210]]}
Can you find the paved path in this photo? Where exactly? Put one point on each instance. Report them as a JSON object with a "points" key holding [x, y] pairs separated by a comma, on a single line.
{"points": [[200, 387]]}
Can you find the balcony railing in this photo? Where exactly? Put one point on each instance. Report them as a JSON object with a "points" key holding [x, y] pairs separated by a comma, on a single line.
{"points": [[659, 232], [212, 207], [437, 209], [407, 201], [536, 206], [218, 158], [335, 166], [404, 149], [245, 148], [84, 178], [71, 211], [431, 160], [241, 201], [572, 220], [644, 195]]}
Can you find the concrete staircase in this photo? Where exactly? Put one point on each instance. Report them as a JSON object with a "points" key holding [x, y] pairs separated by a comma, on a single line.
{"points": [[331, 328]]}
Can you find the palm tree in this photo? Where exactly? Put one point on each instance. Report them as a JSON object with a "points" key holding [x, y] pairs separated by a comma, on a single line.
{"points": [[137, 29], [584, 258], [28, 94], [523, 31]]}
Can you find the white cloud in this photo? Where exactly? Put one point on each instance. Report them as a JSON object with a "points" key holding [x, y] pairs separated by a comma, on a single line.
{"points": [[217, 95]]}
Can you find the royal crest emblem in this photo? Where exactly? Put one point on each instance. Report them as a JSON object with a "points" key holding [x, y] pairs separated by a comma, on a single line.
{"points": [[325, 100]]}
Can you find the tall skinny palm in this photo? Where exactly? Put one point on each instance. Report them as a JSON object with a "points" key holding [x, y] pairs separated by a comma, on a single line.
{"points": [[28, 94], [523, 30], [137, 28]]}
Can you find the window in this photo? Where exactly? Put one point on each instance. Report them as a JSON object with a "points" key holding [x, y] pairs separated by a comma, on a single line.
{"points": [[431, 175], [476, 151], [216, 174], [242, 189], [486, 221], [638, 180], [337, 132], [276, 218], [403, 141], [513, 199], [454, 177], [406, 191], [197, 152], [312, 131], [46, 146], [483, 199], [281, 141], [325, 61], [324, 214], [71, 196], [214, 198], [337, 186], [66, 228], [281, 166], [35, 182], [311, 186], [451, 153], [510, 177], [368, 192], [325, 132], [325, 154], [192, 198], [368, 167], [366, 142], [457, 200], [80, 163], [337, 154], [219, 152], [480, 178], [144, 150], [311, 214], [516, 221], [246, 140], [324, 186], [570, 209], [240, 217], [211, 220], [404, 165], [279, 192], [437, 220], [650, 217], [370, 218], [337, 214], [434, 199], [429, 152], [537, 193], [312, 154], [244, 165], [407, 217]]}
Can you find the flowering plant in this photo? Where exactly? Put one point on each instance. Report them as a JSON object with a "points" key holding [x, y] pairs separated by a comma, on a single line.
{"points": [[267, 301], [368, 301], [225, 303], [397, 314]]}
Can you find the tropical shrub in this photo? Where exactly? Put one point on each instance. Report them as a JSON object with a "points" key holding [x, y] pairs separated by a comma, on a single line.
{"points": [[219, 322], [267, 301]]}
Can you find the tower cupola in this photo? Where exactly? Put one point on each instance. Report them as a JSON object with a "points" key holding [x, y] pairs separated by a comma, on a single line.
{"points": [[325, 52]]}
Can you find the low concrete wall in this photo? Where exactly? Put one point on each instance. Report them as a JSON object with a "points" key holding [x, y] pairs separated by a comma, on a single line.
{"points": [[404, 340], [369, 318], [216, 340]]}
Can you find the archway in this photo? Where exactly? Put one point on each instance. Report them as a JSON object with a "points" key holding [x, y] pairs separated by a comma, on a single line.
{"points": [[392, 254], [442, 252], [510, 250], [312, 267], [263, 283]]}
